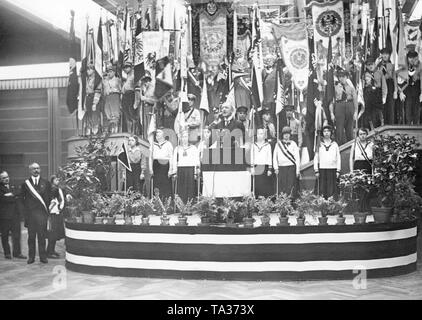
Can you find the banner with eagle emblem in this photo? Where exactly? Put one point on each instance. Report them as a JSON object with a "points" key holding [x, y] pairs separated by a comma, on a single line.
{"points": [[328, 19], [293, 44]]}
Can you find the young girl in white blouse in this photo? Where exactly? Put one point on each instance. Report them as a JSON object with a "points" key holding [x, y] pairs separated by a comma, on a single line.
{"points": [[161, 154], [185, 167], [362, 152], [286, 164], [327, 164], [262, 165]]}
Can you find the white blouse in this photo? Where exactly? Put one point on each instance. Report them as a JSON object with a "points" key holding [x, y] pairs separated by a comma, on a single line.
{"points": [[368, 147], [281, 160], [162, 150], [261, 154], [328, 157], [185, 157]]}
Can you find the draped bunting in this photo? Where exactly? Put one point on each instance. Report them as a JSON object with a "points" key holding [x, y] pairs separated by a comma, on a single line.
{"points": [[213, 41], [328, 18]]}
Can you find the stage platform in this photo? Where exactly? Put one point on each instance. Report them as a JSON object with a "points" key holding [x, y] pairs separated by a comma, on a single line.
{"points": [[261, 253]]}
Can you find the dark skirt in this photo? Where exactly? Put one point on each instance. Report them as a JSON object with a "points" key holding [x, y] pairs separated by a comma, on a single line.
{"points": [[186, 186], [287, 180], [161, 179], [327, 183], [363, 165], [128, 100], [132, 178], [264, 184], [57, 227]]}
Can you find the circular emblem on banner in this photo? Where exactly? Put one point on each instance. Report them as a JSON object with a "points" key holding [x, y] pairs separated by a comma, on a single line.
{"points": [[328, 22], [298, 58]]}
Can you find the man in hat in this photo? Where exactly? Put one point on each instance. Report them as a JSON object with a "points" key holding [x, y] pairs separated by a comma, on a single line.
{"points": [[191, 120], [345, 109], [387, 68], [268, 125], [93, 102], [144, 101], [112, 88], [413, 91], [295, 125], [374, 94]]}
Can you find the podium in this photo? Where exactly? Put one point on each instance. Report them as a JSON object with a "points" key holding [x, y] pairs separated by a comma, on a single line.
{"points": [[225, 172]]}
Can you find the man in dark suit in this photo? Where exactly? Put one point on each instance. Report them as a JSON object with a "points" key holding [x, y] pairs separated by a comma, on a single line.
{"points": [[36, 199], [228, 126], [9, 218]]}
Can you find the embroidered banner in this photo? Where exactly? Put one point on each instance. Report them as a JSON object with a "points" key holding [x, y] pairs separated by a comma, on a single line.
{"points": [[328, 18], [412, 33], [213, 37], [269, 44], [294, 47]]}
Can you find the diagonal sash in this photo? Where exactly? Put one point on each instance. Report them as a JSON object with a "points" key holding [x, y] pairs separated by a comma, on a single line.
{"points": [[363, 152], [287, 153], [36, 194]]}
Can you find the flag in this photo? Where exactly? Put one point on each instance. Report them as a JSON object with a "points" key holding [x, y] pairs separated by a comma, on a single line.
{"points": [[329, 89], [375, 52], [388, 40], [204, 98], [163, 77], [124, 159], [280, 95], [98, 54], [127, 57], [152, 128], [139, 66], [73, 84], [401, 38], [257, 60], [83, 72]]}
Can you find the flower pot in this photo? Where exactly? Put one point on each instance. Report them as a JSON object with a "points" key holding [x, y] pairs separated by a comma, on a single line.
{"points": [[205, 221], [265, 221], [165, 221], [128, 220], [98, 220], [360, 217], [87, 217], [284, 221], [382, 214], [323, 221], [300, 221], [248, 222], [341, 221], [183, 221], [145, 221]]}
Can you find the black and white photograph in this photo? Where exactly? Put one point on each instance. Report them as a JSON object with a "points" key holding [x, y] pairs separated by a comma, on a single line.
{"points": [[210, 154]]}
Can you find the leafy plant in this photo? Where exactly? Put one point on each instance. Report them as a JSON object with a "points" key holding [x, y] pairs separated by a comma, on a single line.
{"points": [[407, 202], [184, 208], [283, 204], [265, 205], [354, 186], [394, 163], [206, 207], [305, 204]]}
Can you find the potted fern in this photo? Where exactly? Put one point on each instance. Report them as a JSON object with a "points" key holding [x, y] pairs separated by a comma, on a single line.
{"points": [[283, 206], [304, 205], [207, 209], [184, 210], [320, 204], [265, 207], [247, 208]]}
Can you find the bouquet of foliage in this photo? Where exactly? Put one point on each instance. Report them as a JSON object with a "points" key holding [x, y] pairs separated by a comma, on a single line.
{"points": [[283, 204]]}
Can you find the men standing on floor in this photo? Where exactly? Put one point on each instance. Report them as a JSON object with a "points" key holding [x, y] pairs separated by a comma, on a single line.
{"points": [[9, 218], [413, 91], [36, 198], [374, 94], [344, 112], [387, 69]]}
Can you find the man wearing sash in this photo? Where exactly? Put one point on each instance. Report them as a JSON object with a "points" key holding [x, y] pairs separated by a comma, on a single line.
{"points": [[36, 198], [286, 164], [192, 120]]}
